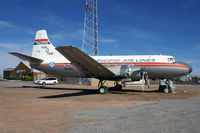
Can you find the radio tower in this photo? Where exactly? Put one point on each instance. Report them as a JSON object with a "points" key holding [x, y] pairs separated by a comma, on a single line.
{"points": [[90, 34]]}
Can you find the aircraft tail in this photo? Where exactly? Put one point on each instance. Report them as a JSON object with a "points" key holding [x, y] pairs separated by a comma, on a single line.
{"points": [[43, 48]]}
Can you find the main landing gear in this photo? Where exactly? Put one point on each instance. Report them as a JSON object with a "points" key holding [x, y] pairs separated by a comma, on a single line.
{"points": [[166, 86], [103, 89]]}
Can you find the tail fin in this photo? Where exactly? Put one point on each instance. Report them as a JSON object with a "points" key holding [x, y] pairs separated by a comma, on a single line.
{"points": [[41, 38], [43, 48]]}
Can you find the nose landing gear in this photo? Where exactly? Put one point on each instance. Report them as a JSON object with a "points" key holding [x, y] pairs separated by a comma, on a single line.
{"points": [[166, 86]]}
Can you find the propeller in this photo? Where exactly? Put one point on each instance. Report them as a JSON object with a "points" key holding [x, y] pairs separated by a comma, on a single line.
{"points": [[143, 82], [145, 79]]}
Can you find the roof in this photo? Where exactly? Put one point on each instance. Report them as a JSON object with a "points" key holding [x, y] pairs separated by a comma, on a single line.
{"points": [[32, 69], [27, 64], [9, 69]]}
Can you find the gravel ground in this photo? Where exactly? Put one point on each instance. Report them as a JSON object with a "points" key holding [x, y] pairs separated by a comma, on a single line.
{"points": [[167, 116], [28, 108]]}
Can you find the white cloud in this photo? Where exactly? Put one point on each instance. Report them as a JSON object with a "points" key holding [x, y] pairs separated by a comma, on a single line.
{"points": [[142, 34], [108, 40], [196, 71], [5, 24], [198, 46], [137, 33], [59, 22], [191, 61], [67, 35], [116, 46], [9, 45]]}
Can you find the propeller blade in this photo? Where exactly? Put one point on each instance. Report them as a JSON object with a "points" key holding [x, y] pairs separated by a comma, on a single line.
{"points": [[147, 81], [143, 82]]}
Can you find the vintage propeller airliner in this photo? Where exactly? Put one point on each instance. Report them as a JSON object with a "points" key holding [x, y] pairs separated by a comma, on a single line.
{"points": [[69, 61]]}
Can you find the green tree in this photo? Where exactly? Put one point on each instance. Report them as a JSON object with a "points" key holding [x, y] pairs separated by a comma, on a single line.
{"points": [[195, 78], [27, 78]]}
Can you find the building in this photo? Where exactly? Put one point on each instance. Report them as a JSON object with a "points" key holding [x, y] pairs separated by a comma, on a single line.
{"points": [[186, 78], [24, 69], [7, 73]]}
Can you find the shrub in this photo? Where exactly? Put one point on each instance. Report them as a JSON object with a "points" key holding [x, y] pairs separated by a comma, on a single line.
{"points": [[27, 78], [13, 77]]}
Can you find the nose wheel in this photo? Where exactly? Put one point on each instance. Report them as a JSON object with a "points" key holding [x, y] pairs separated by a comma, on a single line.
{"points": [[166, 86]]}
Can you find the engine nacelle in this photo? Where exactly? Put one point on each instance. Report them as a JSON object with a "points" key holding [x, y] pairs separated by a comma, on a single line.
{"points": [[136, 75], [131, 72]]}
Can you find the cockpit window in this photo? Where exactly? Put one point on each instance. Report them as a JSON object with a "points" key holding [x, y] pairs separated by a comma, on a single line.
{"points": [[171, 60]]}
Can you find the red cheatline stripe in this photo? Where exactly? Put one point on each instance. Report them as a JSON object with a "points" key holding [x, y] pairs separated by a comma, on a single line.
{"points": [[161, 64], [137, 64], [44, 65], [41, 40], [57, 64]]}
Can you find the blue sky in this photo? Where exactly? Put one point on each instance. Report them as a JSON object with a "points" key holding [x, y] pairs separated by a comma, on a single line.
{"points": [[128, 27]]}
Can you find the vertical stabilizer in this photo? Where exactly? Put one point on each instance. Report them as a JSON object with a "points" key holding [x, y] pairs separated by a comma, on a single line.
{"points": [[41, 37], [43, 48]]}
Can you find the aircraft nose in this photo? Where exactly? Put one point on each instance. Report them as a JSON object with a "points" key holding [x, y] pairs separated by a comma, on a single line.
{"points": [[190, 68]]}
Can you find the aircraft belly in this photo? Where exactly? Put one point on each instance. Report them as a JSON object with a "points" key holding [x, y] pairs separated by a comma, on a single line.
{"points": [[165, 72], [63, 71]]}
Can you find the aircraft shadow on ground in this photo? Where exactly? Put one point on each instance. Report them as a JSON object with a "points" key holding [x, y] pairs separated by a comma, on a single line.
{"points": [[80, 92], [90, 92]]}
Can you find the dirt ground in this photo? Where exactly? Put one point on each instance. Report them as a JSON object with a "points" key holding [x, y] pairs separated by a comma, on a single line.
{"points": [[30, 109]]}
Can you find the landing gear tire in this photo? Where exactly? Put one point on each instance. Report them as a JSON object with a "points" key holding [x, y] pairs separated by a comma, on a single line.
{"points": [[118, 87], [103, 90], [171, 90], [166, 90]]}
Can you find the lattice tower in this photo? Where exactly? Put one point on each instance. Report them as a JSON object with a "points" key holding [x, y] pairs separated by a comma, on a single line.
{"points": [[90, 34]]}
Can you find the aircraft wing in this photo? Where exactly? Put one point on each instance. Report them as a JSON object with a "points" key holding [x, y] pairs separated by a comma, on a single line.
{"points": [[85, 63], [26, 57]]}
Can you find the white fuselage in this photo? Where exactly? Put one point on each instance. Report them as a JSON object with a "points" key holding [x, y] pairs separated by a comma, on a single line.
{"points": [[157, 66]]}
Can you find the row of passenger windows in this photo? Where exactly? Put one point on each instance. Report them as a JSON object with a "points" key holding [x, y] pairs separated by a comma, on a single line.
{"points": [[117, 64], [108, 64]]}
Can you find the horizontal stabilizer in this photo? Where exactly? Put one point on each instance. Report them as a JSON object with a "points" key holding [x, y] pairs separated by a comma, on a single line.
{"points": [[85, 63], [26, 57]]}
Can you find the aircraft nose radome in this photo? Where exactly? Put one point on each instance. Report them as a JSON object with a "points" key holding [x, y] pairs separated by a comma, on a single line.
{"points": [[190, 69]]}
